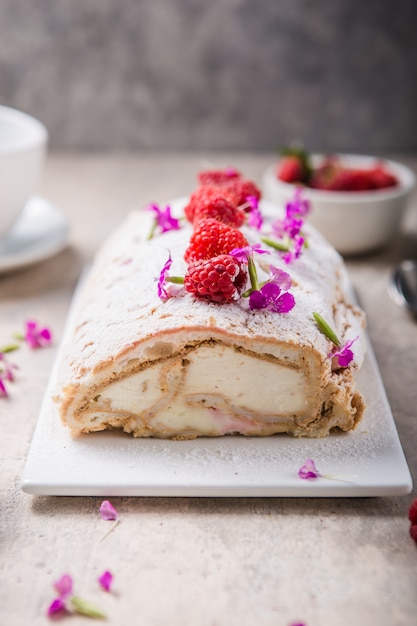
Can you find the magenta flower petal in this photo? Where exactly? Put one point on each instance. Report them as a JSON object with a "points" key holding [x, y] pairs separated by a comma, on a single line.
{"points": [[6, 374], [107, 511], [255, 219], [56, 606], [45, 334], [243, 254], [290, 226], [285, 303], [257, 300], [280, 278], [345, 358], [35, 336], [344, 355], [105, 580], [298, 205], [253, 202], [162, 292], [63, 586], [271, 297], [3, 390], [308, 470], [164, 219]]}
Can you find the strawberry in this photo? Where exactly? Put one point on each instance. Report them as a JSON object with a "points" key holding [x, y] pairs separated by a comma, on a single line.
{"points": [[217, 176], [211, 202], [324, 175], [295, 166], [290, 170], [380, 178], [220, 279], [332, 176], [211, 238], [351, 180]]}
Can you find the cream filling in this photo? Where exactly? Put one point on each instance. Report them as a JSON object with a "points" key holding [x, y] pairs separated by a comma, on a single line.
{"points": [[211, 388]]}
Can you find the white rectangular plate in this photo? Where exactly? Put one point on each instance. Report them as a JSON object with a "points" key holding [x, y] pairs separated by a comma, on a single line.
{"points": [[112, 463]]}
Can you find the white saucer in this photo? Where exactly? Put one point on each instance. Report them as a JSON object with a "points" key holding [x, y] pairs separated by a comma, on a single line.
{"points": [[40, 232]]}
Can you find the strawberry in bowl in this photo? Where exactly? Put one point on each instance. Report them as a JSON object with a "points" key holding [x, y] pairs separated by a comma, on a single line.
{"points": [[357, 201]]}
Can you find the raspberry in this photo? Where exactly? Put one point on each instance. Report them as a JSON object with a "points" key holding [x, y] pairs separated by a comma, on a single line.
{"points": [[238, 190], [413, 532], [218, 177], [211, 238], [412, 512], [291, 170], [220, 279], [211, 202]]}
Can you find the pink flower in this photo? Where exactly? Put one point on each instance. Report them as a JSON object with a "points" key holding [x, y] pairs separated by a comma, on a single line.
{"points": [[244, 254], [105, 580], [343, 354], [279, 277], [273, 295], [272, 298], [163, 218], [295, 253], [6, 368], [57, 606], [298, 205], [290, 226], [255, 219], [162, 291], [6, 374], [309, 470], [287, 226], [66, 602], [63, 587], [35, 336], [107, 511], [3, 390]]}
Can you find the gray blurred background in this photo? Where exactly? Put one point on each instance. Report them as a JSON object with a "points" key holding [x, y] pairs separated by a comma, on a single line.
{"points": [[214, 74]]}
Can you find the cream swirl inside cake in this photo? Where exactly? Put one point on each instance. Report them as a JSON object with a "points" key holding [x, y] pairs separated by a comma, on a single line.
{"points": [[185, 367]]}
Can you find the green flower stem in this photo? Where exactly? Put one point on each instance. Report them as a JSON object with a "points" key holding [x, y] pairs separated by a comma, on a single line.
{"points": [[10, 348], [326, 329], [253, 274], [152, 231], [177, 280], [275, 244], [86, 608]]}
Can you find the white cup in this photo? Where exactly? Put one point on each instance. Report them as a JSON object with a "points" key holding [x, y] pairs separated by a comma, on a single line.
{"points": [[23, 145]]}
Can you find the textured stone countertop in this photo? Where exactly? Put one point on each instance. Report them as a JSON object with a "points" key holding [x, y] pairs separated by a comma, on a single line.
{"points": [[198, 561]]}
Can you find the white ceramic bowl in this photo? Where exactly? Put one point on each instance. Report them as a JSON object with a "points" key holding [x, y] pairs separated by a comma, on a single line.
{"points": [[354, 222], [23, 143]]}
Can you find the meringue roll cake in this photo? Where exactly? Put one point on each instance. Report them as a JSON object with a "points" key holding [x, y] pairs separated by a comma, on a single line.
{"points": [[181, 333]]}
